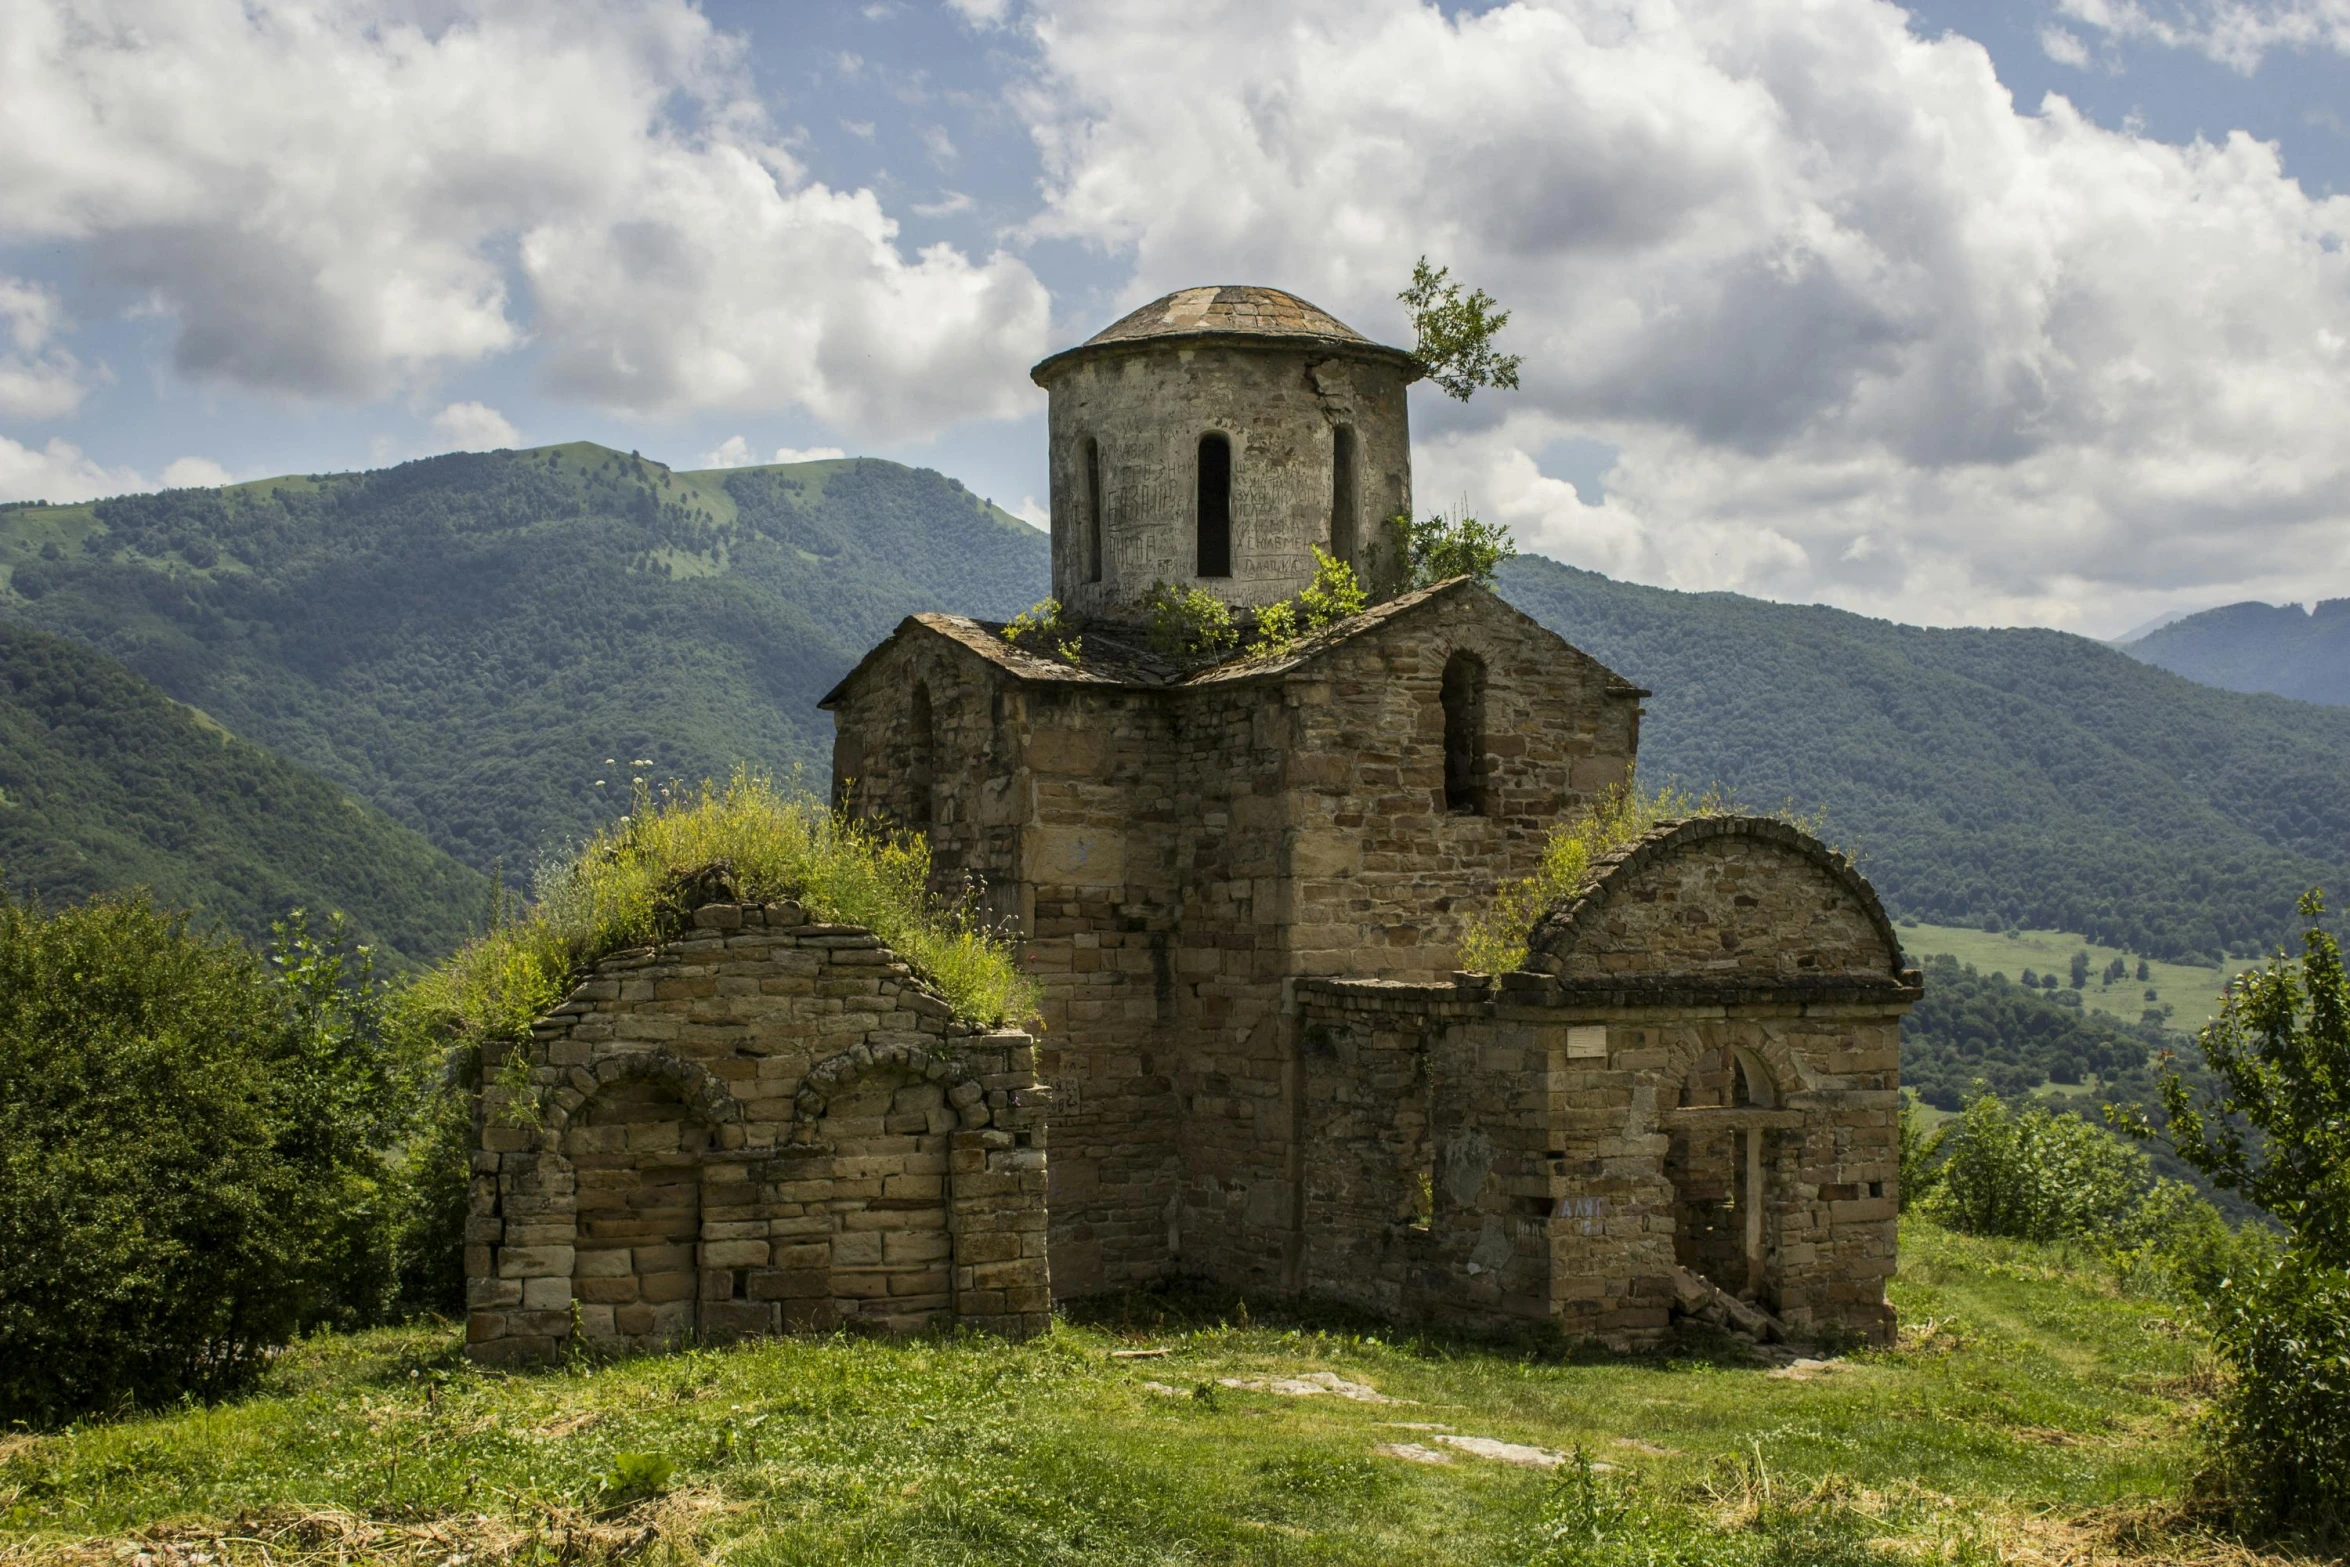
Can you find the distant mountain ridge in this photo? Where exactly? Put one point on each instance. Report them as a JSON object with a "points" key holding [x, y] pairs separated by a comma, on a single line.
{"points": [[107, 784], [2279, 648], [2008, 778]]}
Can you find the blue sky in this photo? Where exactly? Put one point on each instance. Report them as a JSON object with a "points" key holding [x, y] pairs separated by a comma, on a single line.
{"points": [[1820, 301]]}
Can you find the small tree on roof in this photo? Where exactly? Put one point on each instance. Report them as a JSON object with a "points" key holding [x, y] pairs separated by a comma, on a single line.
{"points": [[1453, 333]]}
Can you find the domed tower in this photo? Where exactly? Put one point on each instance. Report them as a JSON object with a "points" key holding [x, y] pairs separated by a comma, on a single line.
{"points": [[1213, 438]]}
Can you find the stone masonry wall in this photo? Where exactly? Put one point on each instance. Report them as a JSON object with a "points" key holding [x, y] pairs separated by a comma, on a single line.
{"points": [[1146, 409], [1548, 1148], [766, 1126]]}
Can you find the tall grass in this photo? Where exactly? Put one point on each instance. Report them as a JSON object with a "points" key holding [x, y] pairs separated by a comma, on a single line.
{"points": [[1495, 941], [622, 890]]}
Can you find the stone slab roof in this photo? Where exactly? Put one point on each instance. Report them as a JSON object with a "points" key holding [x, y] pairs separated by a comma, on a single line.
{"points": [[1121, 656], [1231, 312]]}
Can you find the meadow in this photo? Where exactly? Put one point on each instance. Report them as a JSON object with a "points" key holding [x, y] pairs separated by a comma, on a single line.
{"points": [[2192, 991], [2035, 1409]]}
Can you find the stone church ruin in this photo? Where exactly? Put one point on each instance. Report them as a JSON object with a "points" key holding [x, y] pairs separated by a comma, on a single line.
{"points": [[1240, 882]]}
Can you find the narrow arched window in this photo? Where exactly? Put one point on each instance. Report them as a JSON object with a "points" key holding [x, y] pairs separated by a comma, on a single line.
{"points": [[1215, 506], [1093, 510], [1464, 735], [921, 760], [1342, 494]]}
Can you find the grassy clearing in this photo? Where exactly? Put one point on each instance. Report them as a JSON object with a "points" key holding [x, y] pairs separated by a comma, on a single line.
{"points": [[2192, 992], [2030, 1410], [621, 890]]}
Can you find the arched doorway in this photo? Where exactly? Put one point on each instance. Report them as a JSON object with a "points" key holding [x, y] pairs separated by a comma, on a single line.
{"points": [[1718, 1166], [637, 1154]]}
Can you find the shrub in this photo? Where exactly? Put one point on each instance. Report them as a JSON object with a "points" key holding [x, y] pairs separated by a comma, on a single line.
{"points": [[194, 1153], [1333, 595], [1920, 1151], [1440, 548], [1043, 629], [1187, 622], [2034, 1175], [2277, 1130], [2283, 1454]]}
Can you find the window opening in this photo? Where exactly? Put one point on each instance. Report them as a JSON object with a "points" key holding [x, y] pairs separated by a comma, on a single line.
{"points": [[1215, 506], [1093, 510], [1342, 494], [1464, 735], [922, 758]]}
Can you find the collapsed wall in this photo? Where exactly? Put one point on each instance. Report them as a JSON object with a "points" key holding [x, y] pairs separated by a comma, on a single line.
{"points": [[766, 1126], [1697, 1075]]}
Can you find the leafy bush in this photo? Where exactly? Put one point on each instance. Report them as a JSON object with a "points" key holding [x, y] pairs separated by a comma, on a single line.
{"points": [[1333, 595], [2283, 1454], [2276, 1128], [1042, 628], [1188, 622], [1439, 548], [619, 890], [1453, 335], [2033, 1174], [194, 1153]]}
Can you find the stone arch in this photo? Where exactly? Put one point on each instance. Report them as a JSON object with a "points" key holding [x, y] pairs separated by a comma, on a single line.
{"points": [[882, 1128], [1215, 465], [1732, 1141], [700, 1090], [1738, 899]]}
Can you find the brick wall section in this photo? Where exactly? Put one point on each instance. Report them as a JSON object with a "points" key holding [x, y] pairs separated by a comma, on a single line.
{"points": [[766, 1126]]}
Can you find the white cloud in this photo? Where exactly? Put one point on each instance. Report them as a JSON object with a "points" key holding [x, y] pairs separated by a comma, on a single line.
{"points": [[194, 473], [735, 452], [343, 198], [1813, 275], [2064, 47], [1034, 513], [60, 471], [2236, 33], [37, 379], [474, 427]]}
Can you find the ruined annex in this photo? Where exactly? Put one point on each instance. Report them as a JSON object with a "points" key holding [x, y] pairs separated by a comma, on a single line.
{"points": [[1240, 882]]}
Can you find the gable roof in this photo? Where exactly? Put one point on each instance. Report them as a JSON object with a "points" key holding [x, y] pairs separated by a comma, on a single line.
{"points": [[1120, 656]]}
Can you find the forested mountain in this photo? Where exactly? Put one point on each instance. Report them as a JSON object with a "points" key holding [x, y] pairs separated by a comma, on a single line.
{"points": [[2002, 778], [107, 784], [466, 640], [2281, 648]]}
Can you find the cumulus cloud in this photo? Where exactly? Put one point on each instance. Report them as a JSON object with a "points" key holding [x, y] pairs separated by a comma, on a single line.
{"points": [[1858, 327], [735, 452], [60, 471], [2236, 33], [38, 380], [392, 188], [474, 427]]}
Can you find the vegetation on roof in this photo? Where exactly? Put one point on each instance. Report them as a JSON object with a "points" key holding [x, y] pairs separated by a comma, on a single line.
{"points": [[624, 888]]}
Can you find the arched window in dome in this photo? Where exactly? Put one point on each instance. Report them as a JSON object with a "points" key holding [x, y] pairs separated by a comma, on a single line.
{"points": [[1342, 493], [1215, 506], [1093, 510], [1464, 735]]}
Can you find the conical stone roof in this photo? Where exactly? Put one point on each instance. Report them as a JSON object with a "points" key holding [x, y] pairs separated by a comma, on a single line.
{"points": [[1237, 312]]}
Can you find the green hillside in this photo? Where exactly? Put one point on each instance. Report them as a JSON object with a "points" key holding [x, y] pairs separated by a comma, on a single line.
{"points": [[2282, 648], [465, 640], [1999, 779], [108, 784]]}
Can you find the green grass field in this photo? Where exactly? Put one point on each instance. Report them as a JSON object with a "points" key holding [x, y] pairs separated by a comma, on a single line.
{"points": [[2192, 993], [2029, 1411]]}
